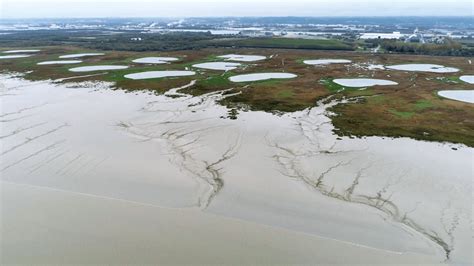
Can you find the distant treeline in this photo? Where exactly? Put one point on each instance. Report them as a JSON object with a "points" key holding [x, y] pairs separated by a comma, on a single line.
{"points": [[154, 42], [289, 43], [110, 40], [448, 48], [138, 41]]}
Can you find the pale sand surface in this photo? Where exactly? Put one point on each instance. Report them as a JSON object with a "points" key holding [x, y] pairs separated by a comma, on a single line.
{"points": [[60, 227], [289, 172]]}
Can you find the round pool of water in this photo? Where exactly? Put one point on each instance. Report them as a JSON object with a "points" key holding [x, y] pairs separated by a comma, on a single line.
{"points": [[225, 66], [468, 79], [243, 58], [59, 62], [424, 68], [326, 61], [159, 74], [21, 51], [80, 55], [97, 68], [14, 56], [155, 60], [466, 96], [261, 76], [362, 82]]}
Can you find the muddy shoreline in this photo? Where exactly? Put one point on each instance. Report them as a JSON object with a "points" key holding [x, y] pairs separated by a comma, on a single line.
{"points": [[290, 171]]}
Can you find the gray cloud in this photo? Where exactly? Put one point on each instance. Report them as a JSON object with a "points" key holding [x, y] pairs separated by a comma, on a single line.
{"points": [[188, 8]]}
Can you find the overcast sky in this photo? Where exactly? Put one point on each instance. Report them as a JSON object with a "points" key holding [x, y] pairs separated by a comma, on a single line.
{"points": [[201, 8]]}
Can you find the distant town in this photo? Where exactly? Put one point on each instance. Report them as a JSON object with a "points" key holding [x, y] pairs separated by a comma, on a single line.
{"points": [[415, 30]]}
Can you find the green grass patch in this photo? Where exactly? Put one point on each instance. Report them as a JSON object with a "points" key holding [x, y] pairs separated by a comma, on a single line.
{"points": [[378, 99], [423, 104], [331, 85], [400, 114], [285, 94], [451, 80], [217, 79]]}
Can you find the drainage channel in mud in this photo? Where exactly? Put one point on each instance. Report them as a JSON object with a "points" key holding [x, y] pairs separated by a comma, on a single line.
{"points": [[180, 143]]}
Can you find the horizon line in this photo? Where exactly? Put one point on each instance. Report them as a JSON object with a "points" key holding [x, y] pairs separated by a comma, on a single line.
{"points": [[293, 16]]}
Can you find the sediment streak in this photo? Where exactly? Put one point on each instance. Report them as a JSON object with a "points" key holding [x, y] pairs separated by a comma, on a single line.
{"points": [[290, 160]]}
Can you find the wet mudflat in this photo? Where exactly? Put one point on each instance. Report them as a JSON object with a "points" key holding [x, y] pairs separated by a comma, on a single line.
{"points": [[168, 162]]}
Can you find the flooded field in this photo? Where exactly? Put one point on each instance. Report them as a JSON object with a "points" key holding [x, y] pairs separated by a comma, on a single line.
{"points": [[164, 169]]}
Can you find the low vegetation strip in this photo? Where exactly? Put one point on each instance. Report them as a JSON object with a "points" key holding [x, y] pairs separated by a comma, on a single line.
{"points": [[410, 109], [288, 43]]}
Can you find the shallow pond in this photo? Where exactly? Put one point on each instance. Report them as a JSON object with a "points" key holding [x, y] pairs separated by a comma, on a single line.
{"points": [[21, 51], [159, 74], [155, 60], [14, 56], [468, 78], [424, 68], [97, 68], [60, 62], [243, 58], [261, 76], [361, 82], [225, 66], [458, 95], [326, 61], [80, 55]]}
